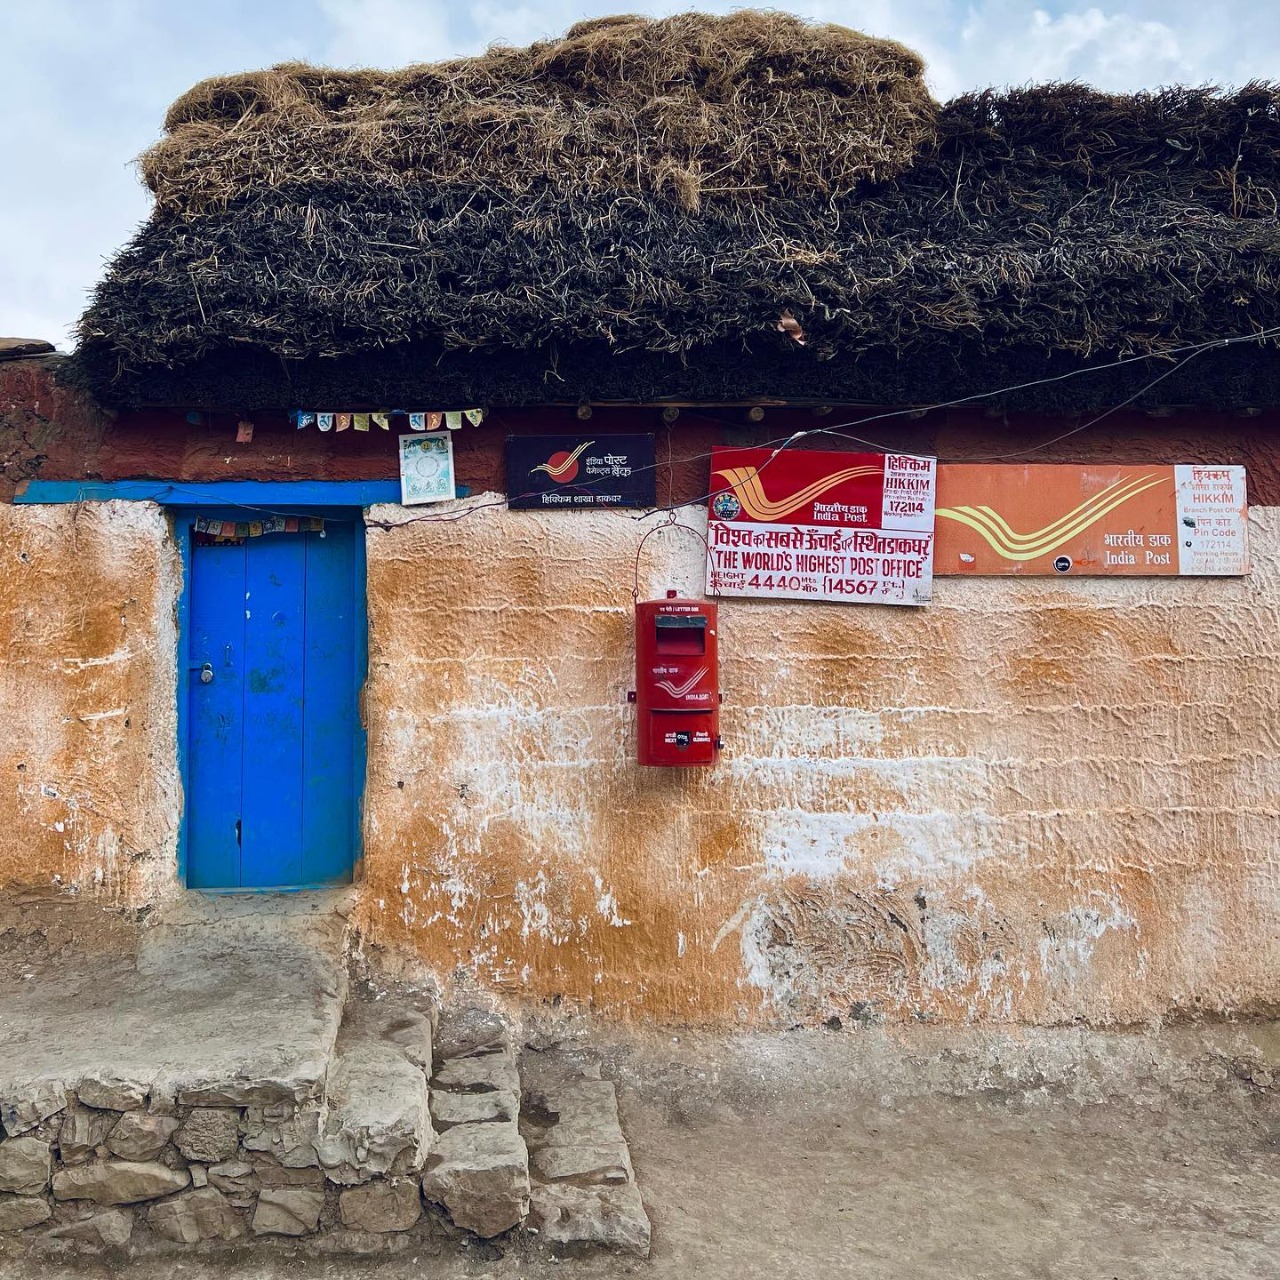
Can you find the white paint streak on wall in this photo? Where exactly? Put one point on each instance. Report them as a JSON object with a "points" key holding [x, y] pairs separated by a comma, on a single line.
{"points": [[757, 962], [607, 905], [903, 846], [1071, 938], [1032, 800]]}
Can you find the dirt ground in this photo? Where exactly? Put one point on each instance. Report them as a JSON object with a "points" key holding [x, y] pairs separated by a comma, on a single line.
{"points": [[777, 1164], [870, 1152]]}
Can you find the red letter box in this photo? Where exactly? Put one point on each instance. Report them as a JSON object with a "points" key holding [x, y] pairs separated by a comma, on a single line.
{"points": [[677, 692]]}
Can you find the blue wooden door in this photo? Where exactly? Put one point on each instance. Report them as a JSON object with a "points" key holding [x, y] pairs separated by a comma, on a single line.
{"points": [[275, 654]]}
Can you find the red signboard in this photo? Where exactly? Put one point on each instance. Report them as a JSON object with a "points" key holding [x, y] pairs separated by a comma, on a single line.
{"points": [[809, 525]]}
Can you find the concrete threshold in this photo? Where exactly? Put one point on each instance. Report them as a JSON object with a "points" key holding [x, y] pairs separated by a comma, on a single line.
{"points": [[225, 997]]}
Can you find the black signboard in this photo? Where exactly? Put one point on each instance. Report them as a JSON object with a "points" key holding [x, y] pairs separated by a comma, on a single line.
{"points": [[567, 473]]}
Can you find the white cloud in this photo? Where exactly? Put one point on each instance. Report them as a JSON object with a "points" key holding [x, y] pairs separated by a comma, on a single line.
{"points": [[1114, 51], [87, 83], [379, 33]]}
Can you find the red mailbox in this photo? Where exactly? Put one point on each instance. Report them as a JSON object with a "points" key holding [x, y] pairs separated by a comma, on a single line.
{"points": [[677, 693]]}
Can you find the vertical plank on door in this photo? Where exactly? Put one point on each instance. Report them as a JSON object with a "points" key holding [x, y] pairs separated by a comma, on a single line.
{"points": [[216, 716], [274, 610], [329, 701]]}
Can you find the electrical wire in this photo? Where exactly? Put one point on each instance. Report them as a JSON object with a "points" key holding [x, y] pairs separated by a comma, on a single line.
{"points": [[781, 443], [1191, 353], [1035, 448]]}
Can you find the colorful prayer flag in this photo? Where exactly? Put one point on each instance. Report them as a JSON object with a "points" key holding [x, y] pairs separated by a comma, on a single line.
{"points": [[305, 419], [361, 421], [324, 421], [418, 421], [453, 420], [474, 416], [342, 421], [380, 420]]}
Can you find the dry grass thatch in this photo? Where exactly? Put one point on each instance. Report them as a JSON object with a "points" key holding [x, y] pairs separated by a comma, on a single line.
{"points": [[1018, 228], [685, 108]]}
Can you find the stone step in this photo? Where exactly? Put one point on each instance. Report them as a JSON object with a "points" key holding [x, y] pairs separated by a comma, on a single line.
{"points": [[478, 1170], [130, 1154], [584, 1190], [375, 1120]]}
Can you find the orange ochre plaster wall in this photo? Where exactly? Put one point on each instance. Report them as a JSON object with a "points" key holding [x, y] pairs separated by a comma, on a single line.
{"points": [[1031, 801], [91, 799]]}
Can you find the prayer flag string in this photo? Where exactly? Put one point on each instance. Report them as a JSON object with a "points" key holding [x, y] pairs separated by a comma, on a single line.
{"points": [[419, 420], [229, 532]]}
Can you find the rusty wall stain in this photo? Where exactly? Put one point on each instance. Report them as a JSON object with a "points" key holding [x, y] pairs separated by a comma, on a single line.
{"points": [[87, 677], [1028, 802]]}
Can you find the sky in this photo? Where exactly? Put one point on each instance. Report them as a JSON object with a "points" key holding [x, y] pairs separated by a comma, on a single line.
{"points": [[85, 84]]}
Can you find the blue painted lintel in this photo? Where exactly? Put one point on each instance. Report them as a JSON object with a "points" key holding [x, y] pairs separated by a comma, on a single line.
{"points": [[250, 493]]}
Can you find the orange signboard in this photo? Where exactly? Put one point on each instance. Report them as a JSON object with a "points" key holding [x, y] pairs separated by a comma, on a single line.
{"points": [[1091, 520]]}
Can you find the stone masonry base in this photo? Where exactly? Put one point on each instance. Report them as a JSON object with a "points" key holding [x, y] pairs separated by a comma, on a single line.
{"points": [[404, 1147], [364, 1124]]}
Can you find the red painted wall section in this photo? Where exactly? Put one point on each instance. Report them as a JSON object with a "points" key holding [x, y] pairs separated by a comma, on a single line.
{"points": [[39, 419], [54, 434]]}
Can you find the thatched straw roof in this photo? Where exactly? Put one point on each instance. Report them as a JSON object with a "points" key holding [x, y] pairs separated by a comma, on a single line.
{"points": [[628, 212], [693, 105]]}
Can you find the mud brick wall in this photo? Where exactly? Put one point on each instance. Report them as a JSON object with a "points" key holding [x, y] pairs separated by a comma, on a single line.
{"points": [[1033, 800], [90, 798]]}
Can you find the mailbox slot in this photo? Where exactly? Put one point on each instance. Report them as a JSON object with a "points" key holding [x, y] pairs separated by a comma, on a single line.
{"points": [[680, 633]]}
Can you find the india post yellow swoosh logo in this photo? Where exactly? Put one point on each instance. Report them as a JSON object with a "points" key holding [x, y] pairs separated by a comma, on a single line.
{"points": [[1029, 546], [759, 506], [563, 468]]}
